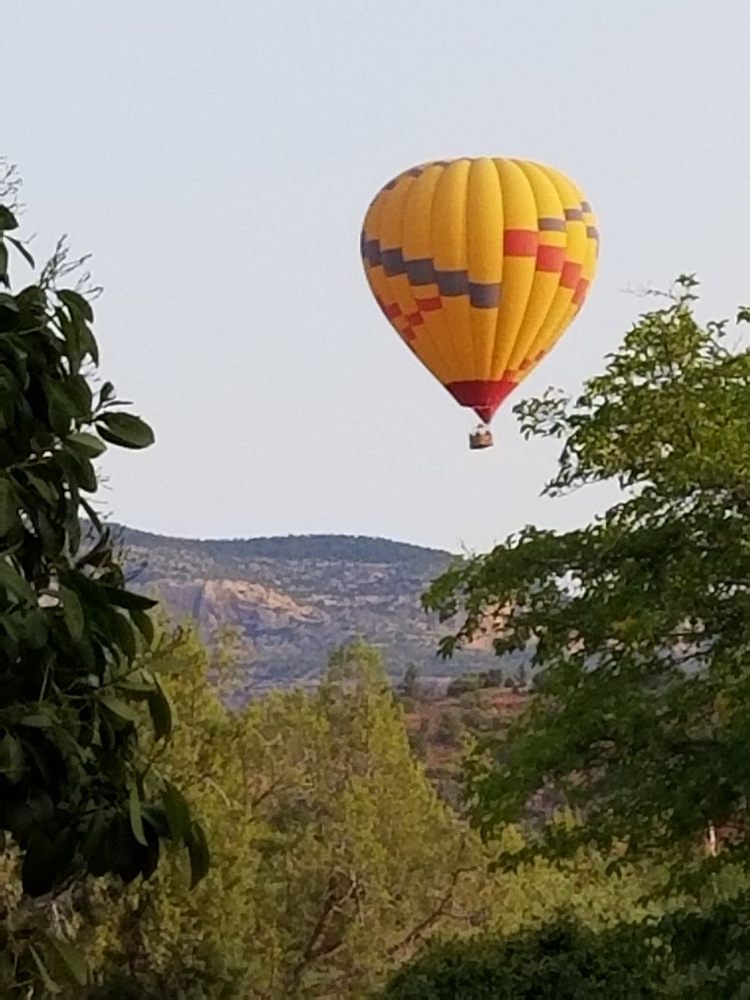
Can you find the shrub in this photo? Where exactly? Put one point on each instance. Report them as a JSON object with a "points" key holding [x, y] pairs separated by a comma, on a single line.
{"points": [[560, 961]]}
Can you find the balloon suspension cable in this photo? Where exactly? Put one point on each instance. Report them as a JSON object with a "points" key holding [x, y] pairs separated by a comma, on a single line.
{"points": [[480, 437]]}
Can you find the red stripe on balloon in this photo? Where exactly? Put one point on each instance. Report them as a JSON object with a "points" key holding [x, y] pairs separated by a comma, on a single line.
{"points": [[549, 258], [520, 242], [570, 274], [580, 293], [392, 311], [429, 305]]}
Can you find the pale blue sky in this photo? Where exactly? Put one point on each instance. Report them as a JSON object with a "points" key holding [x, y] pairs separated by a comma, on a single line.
{"points": [[217, 159]]}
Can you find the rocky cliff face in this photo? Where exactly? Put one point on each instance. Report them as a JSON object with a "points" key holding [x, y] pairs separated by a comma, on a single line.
{"points": [[212, 603], [293, 599]]}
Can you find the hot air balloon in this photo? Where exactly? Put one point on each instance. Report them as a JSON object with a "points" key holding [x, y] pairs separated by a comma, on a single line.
{"points": [[480, 265]]}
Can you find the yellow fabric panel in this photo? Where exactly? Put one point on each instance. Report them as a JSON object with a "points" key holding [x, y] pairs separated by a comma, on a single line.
{"points": [[449, 217], [544, 287], [592, 244], [573, 308], [370, 227], [575, 251], [391, 216], [417, 229], [400, 292], [518, 271], [484, 252], [376, 275], [449, 253], [591, 253], [590, 261], [418, 216]]}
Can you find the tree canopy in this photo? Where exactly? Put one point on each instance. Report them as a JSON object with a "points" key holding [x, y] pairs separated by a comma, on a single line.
{"points": [[639, 622], [78, 651]]}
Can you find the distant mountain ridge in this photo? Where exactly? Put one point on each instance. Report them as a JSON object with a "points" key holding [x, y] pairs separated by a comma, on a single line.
{"points": [[294, 598], [362, 548]]}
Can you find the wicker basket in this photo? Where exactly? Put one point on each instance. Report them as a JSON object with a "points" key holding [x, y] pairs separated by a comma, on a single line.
{"points": [[480, 438]]}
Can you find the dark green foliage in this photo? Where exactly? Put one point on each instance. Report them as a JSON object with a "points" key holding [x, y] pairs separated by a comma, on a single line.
{"points": [[76, 645], [711, 949], [563, 961], [640, 621], [465, 683], [637, 738], [478, 681], [450, 730]]}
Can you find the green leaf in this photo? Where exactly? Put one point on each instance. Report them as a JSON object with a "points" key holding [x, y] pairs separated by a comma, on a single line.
{"points": [[81, 470], [37, 720], [35, 631], [106, 393], [161, 712], [62, 410], [21, 249], [144, 624], [3, 263], [8, 303], [76, 303], [90, 444], [124, 635], [12, 581], [125, 430], [8, 507], [77, 337], [198, 852], [7, 218], [72, 959], [127, 599], [118, 708], [136, 820], [131, 687], [49, 983], [79, 392], [11, 758], [178, 812], [7, 971], [73, 612], [45, 490]]}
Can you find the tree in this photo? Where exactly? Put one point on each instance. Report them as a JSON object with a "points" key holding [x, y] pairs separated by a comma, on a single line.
{"points": [[469, 681], [332, 857], [495, 677], [521, 677], [640, 621], [410, 683], [450, 729], [75, 643], [560, 961], [333, 861]]}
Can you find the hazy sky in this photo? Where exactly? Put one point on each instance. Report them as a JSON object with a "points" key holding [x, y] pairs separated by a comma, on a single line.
{"points": [[217, 159]]}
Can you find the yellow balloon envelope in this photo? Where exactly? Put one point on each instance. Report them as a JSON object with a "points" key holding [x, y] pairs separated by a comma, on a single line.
{"points": [[480, 265]]}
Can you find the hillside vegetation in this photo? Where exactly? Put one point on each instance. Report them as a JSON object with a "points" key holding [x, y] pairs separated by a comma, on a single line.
{"points": [[293, 599]]}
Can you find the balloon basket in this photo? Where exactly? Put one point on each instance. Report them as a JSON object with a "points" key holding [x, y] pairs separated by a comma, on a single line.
{"points": [[480, 438]]}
